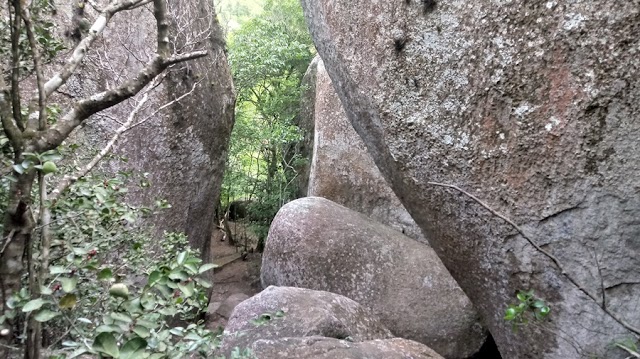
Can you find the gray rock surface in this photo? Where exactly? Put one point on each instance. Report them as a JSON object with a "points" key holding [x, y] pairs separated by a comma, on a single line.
{"points": [[181, 148], [533, 108], [343, 171], [218, 313], [318, 244], [297, 312], [306, 123], [330, 348]]}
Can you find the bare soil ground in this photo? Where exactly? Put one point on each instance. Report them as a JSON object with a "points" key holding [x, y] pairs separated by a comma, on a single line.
{"points": [[239, 270]]}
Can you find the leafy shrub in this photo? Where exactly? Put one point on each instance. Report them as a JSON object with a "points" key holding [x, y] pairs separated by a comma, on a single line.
{"points": [[528, 307]]}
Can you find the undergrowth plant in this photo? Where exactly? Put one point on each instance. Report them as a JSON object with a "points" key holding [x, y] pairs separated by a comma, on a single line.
{"points": [[111, 290], [529, 307]]}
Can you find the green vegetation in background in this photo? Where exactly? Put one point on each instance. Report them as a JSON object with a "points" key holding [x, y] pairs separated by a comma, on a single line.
{"points": [[234, 13], [269, 55]]}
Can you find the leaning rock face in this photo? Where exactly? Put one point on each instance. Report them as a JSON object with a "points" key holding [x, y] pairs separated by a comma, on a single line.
{"points": [[317, 244], [330, 348], [533, 108], [297, 312], [182, 147], [342, 170]]}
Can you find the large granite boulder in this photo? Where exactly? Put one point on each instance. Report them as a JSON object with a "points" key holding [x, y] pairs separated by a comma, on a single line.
{"points": [[330, 348], [318, 244], [279, 312], [182, 148], [343, 171], [531, 108]]}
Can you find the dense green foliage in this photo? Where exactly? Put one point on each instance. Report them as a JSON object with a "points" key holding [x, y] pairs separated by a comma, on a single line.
{"points": [[269, 55], [101, 294]]}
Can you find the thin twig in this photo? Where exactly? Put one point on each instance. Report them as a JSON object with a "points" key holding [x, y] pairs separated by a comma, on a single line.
{"points": [[542, 251], [602, 288]]}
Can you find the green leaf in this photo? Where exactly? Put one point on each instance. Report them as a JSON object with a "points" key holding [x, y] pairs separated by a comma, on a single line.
{"points": [[141, 331], [68, 301], [106, 343], [68, 284], [154, 278], [187, 289], [178, 275], [107, 329], [45, 315], [538, 304], [45, 290], [34, 304], [133, 349], [181, 257], [105, 274], [121, 317], [510, 314], [206, 267]]}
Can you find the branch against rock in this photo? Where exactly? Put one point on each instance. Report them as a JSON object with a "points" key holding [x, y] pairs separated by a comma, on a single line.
{"points": [[68, 180], [553, 258], [37, 66], [82, 48], [86, 107]]}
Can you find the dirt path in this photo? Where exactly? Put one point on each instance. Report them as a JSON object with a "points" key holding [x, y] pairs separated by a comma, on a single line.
{"points": [[237, 277]]}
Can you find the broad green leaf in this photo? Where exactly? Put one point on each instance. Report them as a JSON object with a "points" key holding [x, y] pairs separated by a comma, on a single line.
{"points": [[106, 343], [133, 349], [121, 317], [107, 329], [141, 331], [45, 290], [68, 284], [34, 304], [154, 278], [178, 275], [45, 315], [105, 274], [206, 267], [187, 290], [181, 257]]}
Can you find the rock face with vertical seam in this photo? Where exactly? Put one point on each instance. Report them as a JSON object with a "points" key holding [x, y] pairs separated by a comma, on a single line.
{"points": [[318, 244], [531, 107], [341, 168]]}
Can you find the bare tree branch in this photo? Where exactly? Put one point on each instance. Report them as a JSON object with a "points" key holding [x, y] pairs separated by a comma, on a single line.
{"points": [[82, 48], [68, 180], [15, 61], [41, 123], [86, 107]]}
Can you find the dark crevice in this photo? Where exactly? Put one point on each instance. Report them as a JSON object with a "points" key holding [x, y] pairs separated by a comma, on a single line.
{"points": [[489, 350]]}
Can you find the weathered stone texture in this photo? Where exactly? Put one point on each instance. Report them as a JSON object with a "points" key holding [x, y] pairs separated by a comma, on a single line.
{"points": [[303, 312], [183, 147], [330, 348], [343, 171], [532, 107], [306, 124], [317, 244]]}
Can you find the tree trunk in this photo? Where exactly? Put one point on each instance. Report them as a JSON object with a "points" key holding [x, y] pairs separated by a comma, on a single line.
{"points": [[18, 227]]}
